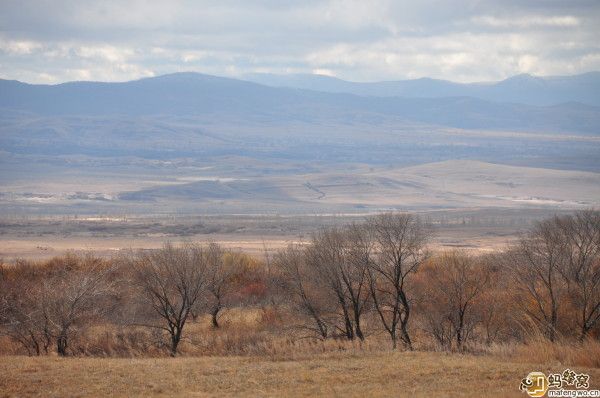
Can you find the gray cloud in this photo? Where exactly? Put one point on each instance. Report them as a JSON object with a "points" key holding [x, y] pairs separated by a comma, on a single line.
{"points": [[470, 40]]}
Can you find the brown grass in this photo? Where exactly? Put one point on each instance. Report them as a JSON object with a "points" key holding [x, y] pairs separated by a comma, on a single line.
{"points": [[383, 374], [566, 352], [250, 356]]}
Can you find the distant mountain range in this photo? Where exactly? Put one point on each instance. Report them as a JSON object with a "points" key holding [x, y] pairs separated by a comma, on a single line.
{"points": [[522, 89], [189, 143], [422, 101]]}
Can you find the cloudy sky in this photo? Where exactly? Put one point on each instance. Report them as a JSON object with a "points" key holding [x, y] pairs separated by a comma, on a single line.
{"points": [[471, 40]]}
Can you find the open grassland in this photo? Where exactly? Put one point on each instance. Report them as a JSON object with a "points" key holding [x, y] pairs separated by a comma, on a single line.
{"points": [[381, 374]]}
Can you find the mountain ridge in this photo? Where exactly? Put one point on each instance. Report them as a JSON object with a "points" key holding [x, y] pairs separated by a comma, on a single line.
{"points": [[192, 93], [527, 89]]}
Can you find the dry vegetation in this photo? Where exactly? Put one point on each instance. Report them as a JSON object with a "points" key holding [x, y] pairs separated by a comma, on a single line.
{"points": [[363, 308], [349, 374]]}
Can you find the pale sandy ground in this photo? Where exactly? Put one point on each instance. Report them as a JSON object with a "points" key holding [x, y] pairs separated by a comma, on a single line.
{"points": [[45, 247], [38, 248], [452, 184]]}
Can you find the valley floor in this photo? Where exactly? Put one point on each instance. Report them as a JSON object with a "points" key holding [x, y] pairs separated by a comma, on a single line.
{"points": [[380, 374], [44, 237]]}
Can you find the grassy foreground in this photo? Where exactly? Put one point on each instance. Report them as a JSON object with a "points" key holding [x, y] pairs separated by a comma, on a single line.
{"points": [[387, 374]]}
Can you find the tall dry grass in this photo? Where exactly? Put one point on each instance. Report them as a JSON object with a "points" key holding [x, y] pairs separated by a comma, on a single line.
{"points": [[563, 352], [262, 332]]}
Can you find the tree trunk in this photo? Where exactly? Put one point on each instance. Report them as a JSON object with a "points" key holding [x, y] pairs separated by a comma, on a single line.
{"points": [[348, 324], [358, 330], [394, 340], [405, 336], [175, 338], [47, 338], [61, 344], [404, 321], [36, 345], [459, 332], [349, 330], [214, 316], [552, 326], [322, 328]]}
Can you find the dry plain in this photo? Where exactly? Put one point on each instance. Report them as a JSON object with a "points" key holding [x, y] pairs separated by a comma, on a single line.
{"points": [[478, 229]]}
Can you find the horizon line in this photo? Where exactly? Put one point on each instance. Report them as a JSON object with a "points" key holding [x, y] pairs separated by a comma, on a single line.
{"points": [[243, 78]]}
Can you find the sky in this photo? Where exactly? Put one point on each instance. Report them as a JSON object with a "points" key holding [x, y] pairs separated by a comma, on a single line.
{"points": [[465, 41]]}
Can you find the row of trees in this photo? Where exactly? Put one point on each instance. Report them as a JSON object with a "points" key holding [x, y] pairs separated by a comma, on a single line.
{"points": [[345, 272], [351, 282], [381, 272], [45, 306], [557, 271]]}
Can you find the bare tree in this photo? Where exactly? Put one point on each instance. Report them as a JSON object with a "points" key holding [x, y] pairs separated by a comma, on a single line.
{"points": [[222, 268], [438, 325], [455, 283], [72, 299], [536, 264], [53, 302], [304, 291], [400, 249], [336, 255], [23, 319], [357, 253], [172, 281], [580, 266], [497, 316]]}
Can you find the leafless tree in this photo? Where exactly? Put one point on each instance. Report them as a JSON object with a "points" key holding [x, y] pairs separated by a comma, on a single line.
{"points": [[222, 268], [400, 249], [536, 264], [23, 319], [305, 292], [580, 234], [72, 299], [455, 283], [172, 281], [497, 315], [358, 250], [336, 256]]}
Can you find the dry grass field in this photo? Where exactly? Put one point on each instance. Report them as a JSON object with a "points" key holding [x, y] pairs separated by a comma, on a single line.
{"points": [[241, 359], [377, 374]]}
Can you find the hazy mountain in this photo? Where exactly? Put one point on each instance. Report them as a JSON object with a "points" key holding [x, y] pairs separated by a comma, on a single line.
{"points": [[524, 89], [216, 97], [191, 142]]}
